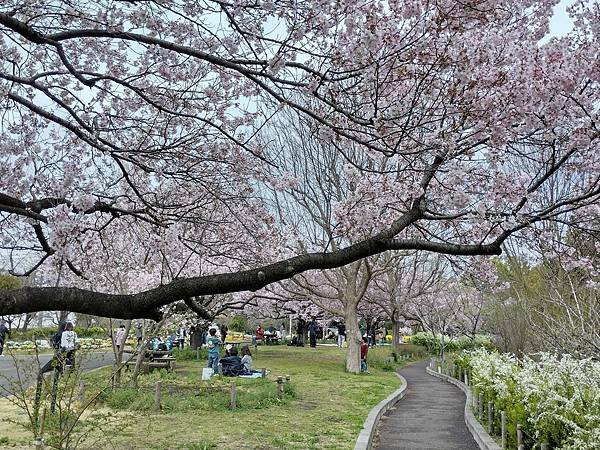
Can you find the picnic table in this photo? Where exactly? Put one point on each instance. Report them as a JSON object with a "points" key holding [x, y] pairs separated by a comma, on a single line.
{"points": [[153, 359], [272, 338], [238, 343]]}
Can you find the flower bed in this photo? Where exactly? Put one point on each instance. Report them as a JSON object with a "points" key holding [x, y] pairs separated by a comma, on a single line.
{"points": [[85, 343], [556, 399]]}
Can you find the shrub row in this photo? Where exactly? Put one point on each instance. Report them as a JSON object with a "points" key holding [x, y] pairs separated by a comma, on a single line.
{"points": [[435, 343], [556, 399]]}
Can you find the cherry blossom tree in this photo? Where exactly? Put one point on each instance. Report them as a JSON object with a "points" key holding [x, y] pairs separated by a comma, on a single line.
{"points": [[407, 278], [143, 117]]}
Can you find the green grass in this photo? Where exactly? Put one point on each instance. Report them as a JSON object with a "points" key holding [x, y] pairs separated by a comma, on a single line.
{"points": [[323, 407]]}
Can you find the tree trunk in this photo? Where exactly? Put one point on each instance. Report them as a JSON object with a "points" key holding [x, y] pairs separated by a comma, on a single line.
{"points": [[353, 338], [395, 331], [28, 319]]}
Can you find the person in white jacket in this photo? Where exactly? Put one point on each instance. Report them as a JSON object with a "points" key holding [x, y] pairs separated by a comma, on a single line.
{"points": [[68, 345], [120, 337]]}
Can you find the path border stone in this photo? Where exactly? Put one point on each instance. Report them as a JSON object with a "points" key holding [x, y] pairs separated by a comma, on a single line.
{"points": [[482, 438], [365, 438]]}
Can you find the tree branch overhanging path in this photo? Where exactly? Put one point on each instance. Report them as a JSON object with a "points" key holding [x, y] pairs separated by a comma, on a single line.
{"points": [[146, 304]]}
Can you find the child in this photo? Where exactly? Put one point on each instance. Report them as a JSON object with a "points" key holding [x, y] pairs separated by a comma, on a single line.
{"points": [[214, 345], [364, 349], [247, 358]]}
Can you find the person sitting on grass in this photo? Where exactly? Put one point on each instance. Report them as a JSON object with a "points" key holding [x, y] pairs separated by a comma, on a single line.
{"points": [[214, 345], [247, 358], [232, 365], [364, 349]]}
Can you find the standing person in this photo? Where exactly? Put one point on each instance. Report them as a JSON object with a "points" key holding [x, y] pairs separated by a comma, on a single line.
{"points": [[282, 330], [364, 349], [139, 332], [120, 337], [224, 330], [300, 330], [214, 345], [195, 337], [68, 344], [181, 335], [341, 334], [312, 333], [3, 332], [259, 335]]}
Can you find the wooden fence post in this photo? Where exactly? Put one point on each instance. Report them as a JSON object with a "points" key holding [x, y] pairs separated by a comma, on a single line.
{"points": [[81, 393], [520, 445], [474, 397], [232, 395], [157, 395], [503, 432], [480, 406], [491, 417], [263, 372], [279, 387]]}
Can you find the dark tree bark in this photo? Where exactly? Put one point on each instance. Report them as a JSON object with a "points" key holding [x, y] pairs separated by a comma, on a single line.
{"points": [[146, 304]]}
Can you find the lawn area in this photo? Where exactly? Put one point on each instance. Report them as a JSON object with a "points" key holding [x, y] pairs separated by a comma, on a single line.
{"points": [[323, 408]]}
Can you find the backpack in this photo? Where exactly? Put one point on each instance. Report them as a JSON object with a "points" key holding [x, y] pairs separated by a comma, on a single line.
{"points": [[56, 339]]}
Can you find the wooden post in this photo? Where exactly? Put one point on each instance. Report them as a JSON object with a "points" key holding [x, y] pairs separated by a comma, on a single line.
{"points": [[503, 420], [480, 405], [474, 396], [263, 372], [157, 395], [466, 379], [520, 445], [81, 394], [232, 395], [197, 352], [279, 387], [39, 443], [490, 417]]}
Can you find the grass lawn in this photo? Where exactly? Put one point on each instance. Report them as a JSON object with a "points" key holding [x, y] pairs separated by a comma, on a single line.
{"points": [[324, 407]]}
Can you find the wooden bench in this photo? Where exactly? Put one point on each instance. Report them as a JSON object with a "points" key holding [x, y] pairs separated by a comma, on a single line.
{"points": [[148, 365]]}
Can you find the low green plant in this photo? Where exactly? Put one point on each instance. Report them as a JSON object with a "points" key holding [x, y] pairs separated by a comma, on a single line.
{"points": [[189, 354]]}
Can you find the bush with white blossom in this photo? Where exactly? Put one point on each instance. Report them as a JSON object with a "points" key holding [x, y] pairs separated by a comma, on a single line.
{"points": [[555, 398]]}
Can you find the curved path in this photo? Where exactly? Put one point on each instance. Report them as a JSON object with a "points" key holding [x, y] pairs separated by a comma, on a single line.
{"points": [[29, 365], [430, 416]]}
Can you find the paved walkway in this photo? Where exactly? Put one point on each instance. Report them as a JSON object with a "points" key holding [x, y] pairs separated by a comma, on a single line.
{"points": [[29, 365], [430, 416]]}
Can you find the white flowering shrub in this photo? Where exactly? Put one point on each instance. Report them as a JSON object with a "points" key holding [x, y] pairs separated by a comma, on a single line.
{"points": [[85, 343], [555, 398], [434, 343]]}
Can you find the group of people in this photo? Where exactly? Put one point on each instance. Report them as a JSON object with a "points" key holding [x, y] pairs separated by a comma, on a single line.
{"points": [[175, 340], [232, 364]]}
